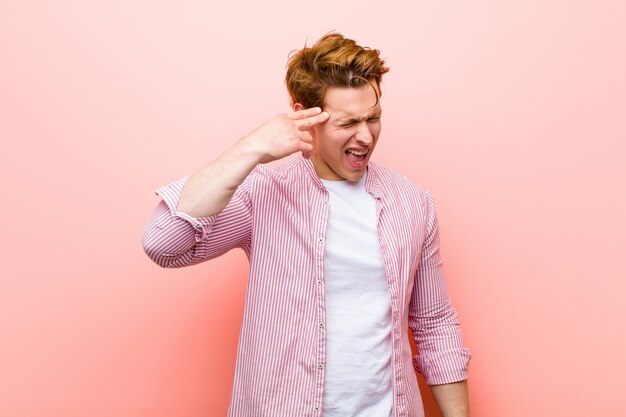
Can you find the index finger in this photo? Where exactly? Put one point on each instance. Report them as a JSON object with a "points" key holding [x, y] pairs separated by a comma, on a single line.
{"points": [[304, 113], [313, 120]]}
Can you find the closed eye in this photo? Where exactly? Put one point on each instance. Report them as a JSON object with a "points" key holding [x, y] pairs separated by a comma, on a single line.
{"points": [[372, 119]]}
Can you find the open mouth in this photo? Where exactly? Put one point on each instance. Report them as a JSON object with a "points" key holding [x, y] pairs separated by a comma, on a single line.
{"points": [[357, 159]]}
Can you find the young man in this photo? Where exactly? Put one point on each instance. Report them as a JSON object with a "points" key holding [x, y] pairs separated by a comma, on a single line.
{"points": [[344, 254]]}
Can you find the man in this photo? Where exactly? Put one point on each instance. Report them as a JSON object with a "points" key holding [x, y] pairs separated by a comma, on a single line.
{"points": [[344, 254]]}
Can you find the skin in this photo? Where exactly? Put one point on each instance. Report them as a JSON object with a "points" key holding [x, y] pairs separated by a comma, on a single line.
{"points": [[351, 120], [452, 399], [354, 123], [211, 188]]}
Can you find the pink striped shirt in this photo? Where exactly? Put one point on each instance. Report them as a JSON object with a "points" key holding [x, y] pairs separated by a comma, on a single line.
{"points": [[278, 216]]}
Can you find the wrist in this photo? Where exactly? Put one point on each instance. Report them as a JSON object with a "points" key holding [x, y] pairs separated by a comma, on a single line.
{"points": [[250, 151]]}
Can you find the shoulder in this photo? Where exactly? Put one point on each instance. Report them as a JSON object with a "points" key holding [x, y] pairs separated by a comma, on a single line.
{"points": [[280, 170], [396, 185], [281, 177]]}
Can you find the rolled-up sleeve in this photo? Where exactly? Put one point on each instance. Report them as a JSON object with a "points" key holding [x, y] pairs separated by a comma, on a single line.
{"points": [[173, 239], [442, 356]]}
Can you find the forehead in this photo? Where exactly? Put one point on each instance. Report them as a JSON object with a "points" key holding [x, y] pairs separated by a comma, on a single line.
{"points": [[350, 102]]}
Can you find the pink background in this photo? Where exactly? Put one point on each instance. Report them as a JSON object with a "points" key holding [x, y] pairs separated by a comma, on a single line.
{"points": [[511, 112]]}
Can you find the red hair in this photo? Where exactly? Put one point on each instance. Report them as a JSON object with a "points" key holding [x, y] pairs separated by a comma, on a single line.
{"points": [[334, 61]]}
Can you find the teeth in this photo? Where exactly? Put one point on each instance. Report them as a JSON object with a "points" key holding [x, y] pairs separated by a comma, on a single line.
{"points": [[357, 153]]}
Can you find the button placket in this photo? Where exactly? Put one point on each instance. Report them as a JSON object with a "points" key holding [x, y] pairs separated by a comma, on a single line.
{"points": [[319, 240]]}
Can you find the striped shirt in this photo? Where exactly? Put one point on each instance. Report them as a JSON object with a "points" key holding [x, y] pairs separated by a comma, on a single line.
{"points": [[278, 216]]}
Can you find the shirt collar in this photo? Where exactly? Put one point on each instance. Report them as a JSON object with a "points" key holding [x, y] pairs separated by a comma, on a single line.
{"points": [[372, 182]]}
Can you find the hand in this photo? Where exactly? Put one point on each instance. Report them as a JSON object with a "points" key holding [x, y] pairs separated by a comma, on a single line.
{"points": [[286, 134]]}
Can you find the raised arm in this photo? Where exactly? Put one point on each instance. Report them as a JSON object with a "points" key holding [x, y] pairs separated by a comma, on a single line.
{"points": [[210, 189], [208, 213]]}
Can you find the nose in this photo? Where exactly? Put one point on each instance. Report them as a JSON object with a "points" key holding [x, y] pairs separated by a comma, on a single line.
{"points": [[364, 135]]}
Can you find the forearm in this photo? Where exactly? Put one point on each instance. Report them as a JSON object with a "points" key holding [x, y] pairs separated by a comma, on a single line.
{"points": [[210, 189], [452, 399]]}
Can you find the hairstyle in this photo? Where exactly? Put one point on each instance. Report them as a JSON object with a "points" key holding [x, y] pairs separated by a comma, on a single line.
{"points": [[334, 61]]}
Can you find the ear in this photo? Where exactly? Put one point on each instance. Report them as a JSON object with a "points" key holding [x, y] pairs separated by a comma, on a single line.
{"points": [[297, 107]]}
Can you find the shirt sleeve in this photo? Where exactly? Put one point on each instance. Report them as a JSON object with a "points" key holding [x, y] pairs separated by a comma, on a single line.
{"points": [[442, 357], [173, 239]]}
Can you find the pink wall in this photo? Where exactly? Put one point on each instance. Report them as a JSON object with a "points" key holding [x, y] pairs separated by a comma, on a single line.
{"points": [[512, 113]]}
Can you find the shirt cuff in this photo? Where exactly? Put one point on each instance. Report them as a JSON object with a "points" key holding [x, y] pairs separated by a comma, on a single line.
{"points": [[443, 367], [170, 194]]}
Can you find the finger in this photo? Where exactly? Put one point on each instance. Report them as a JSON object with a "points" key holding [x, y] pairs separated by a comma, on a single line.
{"points": [[303, 114], [305, 137], [312, 121], [305, 148]]}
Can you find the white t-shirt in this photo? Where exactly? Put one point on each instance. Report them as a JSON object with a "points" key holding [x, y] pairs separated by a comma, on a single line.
{"points": [[358, 379]]}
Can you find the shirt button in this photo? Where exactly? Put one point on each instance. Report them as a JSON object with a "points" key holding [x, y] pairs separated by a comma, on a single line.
{"points": [[319, 282], [317, 408], [321, 325], [198, 226], [320, 240], [320, 366]]}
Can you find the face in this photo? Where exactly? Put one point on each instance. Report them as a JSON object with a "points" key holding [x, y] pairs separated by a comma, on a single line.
{"points": [[343, 145]]}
